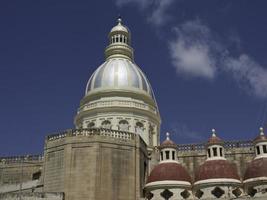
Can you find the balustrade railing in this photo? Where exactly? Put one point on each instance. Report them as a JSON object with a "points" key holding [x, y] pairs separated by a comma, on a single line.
{"points": [[227, 145], [115, 103], [123, 135], [21, 159]]}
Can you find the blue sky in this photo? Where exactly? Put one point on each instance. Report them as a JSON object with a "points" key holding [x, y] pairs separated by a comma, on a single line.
{"points": [[206, 61]]}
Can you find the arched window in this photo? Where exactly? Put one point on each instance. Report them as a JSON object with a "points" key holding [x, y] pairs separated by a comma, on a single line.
{"points": [[139, 128], [106, 124], [123, 125], [91, 125]]}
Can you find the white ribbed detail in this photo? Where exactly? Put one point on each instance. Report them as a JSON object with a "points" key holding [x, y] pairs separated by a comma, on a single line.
{"points": [[255, 179], [168, 183], [119, 73], [217, 180]]}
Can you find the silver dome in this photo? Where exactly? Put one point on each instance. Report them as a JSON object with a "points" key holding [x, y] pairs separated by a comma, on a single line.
{"points": [[119, 73]]}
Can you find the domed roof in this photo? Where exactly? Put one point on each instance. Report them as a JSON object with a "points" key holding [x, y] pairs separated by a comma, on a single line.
{"points": [[167, 143], [260, 138], [214, 139], [213, 169], [257, 168], [119, 74], [170, 171], [119, 27]]}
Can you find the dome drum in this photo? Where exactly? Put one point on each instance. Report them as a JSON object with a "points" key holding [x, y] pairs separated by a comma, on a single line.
{"points": [[119, 50]]}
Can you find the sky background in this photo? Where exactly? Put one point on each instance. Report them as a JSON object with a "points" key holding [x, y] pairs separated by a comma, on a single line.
{"points": [[206, 61]]}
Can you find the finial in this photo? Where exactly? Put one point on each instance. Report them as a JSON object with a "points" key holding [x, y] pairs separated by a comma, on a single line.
{"points": [[119, 20], [213, 132], [261, 131], [167, 136]]}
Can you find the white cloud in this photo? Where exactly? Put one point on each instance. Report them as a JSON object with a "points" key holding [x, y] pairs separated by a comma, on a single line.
{"points": [[249, 74], [195, 52], [156, 10], [192, 52], [160, 15]]}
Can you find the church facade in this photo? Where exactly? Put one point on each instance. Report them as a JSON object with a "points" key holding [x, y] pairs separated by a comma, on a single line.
{"points": [[114, 151]]}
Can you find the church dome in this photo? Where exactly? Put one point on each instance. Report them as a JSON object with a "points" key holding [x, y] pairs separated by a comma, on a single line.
{"points": [[256, 169], [214, 139], [216, 169], [261, 137], [119, 74], [167, 143], [119, 27], [170, 171]]}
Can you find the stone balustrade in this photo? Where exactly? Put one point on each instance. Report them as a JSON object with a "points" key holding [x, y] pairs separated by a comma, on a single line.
{"points": [[120, 103], [227, 144], [21, 159], [122, 135]]}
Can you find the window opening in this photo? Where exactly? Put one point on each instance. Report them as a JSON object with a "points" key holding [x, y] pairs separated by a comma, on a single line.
{"points": [[258, 150], [214, 151], [264, 148], [167, 155]]}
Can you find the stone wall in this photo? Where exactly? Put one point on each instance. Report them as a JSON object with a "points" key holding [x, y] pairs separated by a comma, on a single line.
{"points": [[95, 164], [19, 168], [192, 156], [32, 196]]}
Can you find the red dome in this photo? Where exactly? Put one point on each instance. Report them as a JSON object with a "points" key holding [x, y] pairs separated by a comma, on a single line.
{"points": [[216, 169], [260, 138], [257, 168], [169, 172], [215, 140], [168, 144]]}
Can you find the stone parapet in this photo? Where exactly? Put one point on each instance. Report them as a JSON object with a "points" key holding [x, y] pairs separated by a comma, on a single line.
{"points": [[33, 196], [121, 135]]}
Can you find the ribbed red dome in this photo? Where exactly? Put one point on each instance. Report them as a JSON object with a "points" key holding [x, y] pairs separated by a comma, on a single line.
{"points": [[167, 144], [169, 172], [215, 140], [260, 138], [216, 169], [257, 168]]}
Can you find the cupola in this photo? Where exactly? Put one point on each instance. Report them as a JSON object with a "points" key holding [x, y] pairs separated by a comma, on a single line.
{"points": [[119, 42], [169, 172], [255, 177], [215, 170], [215, 148], [168, 150], [260, 143]]}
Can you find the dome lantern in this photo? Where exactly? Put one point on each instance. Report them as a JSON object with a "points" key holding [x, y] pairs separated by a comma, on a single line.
{"points": [[260, 143], [168, 150], [119, 42], [215, 149]]}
